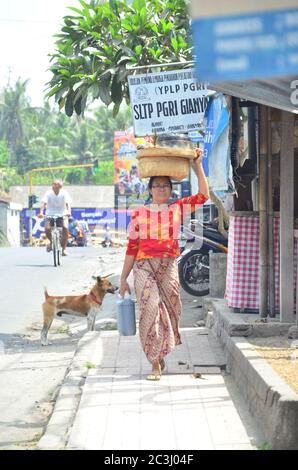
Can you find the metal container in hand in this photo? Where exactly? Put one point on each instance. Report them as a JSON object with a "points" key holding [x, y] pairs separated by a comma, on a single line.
{"points": [[126, 316]]}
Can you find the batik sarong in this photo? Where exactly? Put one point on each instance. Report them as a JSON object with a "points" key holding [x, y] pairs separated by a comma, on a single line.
{"points": [[158, 296]]}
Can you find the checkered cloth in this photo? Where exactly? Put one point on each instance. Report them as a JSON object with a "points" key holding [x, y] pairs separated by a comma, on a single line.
{"points": [[242, 284]]}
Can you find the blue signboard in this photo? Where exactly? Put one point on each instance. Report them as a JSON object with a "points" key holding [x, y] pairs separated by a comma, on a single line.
{"points": [[195, 136], [216, 145], [96, 218], [246, 45]]}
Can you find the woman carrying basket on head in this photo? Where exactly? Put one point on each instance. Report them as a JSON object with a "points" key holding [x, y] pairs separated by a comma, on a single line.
{"points": [[151, 253]]}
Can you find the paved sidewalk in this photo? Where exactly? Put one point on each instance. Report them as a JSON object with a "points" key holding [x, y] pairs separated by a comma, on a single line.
{"points": [[120, 409]]}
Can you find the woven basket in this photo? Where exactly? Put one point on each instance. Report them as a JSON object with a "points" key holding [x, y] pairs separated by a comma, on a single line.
{"points": [[164, 161]]}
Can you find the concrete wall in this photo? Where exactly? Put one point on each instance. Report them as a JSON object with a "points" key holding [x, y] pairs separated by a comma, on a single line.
{"points": [[271, 401], [218, 274], [13, 224], [81, 195], [10, 222], [3, 217]]}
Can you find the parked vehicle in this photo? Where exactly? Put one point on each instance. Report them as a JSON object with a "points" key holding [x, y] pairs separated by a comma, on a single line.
{"points": [[78, 233], [193, 263], [87, 232], [107, 241]]}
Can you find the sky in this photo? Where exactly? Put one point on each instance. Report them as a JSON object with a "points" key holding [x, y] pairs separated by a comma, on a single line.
{"points": [[26, 38]]}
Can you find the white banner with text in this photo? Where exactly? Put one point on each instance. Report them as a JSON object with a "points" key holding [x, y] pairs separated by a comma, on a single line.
{"points": [[167, 102]]}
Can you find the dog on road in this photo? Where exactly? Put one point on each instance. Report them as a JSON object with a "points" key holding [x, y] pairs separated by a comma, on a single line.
{"points": [[85, 305]]}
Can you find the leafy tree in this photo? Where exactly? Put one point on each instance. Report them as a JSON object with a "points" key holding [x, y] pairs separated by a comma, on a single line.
{"points": [[105, 175], [13, 104], [24, 159], [48, 134], [10, 177], [4, 154], [75, 176], [104, 125], [79, 142], [49, 138], [97, 44]]}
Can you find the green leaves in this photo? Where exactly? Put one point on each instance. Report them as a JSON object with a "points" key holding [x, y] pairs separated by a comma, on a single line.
{"points": [[4, 153], [116, 109], [104, 91], [116, 90], [155, 53], [139, 4], [138, 49], [107, 37], [69, 104], [174, 43], [41, 137], [167, 26]]}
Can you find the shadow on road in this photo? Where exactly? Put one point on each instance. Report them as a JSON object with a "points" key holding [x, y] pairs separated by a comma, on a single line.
{"points": [[34, 265]]}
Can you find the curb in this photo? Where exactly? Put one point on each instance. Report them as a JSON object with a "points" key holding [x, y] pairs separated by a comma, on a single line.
{"points": [[89, 349], [271, 401]]}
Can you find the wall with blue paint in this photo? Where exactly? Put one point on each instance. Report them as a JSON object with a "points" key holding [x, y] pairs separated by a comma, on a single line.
{"points": [[95, 217]]}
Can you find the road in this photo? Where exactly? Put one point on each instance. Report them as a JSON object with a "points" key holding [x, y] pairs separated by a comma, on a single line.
{"points": [[30, 375], [25, 272]]}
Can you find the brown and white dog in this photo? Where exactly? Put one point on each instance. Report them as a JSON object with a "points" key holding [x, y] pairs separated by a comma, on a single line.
{"points": [[85, 305]]}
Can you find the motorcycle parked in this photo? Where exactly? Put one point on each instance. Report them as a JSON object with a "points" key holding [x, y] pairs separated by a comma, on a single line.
{"points": [[76, 234], [193, 263], [107, 241]]}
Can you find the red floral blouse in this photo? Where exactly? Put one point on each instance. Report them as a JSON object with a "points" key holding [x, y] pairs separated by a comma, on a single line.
{"points": [[154, 234]]}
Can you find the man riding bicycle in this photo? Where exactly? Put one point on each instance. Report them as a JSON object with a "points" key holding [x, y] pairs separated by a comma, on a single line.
{"points": [[56, 202]]}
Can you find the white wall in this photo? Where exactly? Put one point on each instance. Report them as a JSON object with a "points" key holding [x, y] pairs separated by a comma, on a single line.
{"points": [[3, 217], [10, 222], [81, 195]]}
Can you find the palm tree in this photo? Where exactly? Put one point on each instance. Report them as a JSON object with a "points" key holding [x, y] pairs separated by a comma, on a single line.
{"points": [[104, 126], [12, 106]]}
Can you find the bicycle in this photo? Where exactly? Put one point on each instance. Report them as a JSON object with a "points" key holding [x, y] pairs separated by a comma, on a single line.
{"points": [[56, 239]]}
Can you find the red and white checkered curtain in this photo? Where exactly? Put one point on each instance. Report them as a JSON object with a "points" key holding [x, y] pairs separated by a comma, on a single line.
{"points": [[242, 284]]}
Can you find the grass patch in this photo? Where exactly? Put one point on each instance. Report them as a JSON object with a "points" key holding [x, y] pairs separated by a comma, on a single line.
{"points": [[264, 446], [32, 443], [63, 329], [90, 365], [108, 325], [36, 438]]}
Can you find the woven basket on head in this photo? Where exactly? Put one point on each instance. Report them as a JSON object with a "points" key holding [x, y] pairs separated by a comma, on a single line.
{"points": [[164, 161]]}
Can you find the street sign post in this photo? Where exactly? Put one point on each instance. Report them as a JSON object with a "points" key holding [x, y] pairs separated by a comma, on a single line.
{"points": [[30, 212]]}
